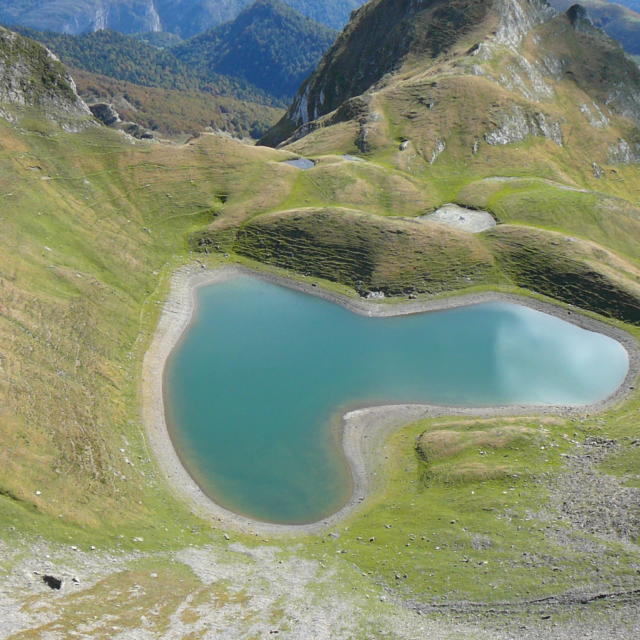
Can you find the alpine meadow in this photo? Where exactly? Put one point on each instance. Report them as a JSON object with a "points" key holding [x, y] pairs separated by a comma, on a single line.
{"points": [[319, 320]]}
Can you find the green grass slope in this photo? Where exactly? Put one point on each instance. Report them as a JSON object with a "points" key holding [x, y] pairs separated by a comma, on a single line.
{"points": [[91, 229]]}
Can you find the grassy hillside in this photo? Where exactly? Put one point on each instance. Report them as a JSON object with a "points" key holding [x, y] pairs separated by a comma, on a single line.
{"points": [[100, 223], [85, 271]]}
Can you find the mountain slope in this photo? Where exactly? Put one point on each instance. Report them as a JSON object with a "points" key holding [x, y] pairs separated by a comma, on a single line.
{"points": [[128, 59], [383, 36], [470, 97], [33, 79], [619, 22], [172, 113], [528, 69], [185, 18], [488, 526], [269, 45]]}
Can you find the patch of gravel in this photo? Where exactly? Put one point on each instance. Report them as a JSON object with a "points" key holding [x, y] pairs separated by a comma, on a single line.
{"points": [[593, 502], [279, 594], [462, 219], [23, 583], [581, 622]]}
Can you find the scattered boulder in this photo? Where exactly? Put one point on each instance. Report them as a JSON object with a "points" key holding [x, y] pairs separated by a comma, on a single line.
{"points": [[135, 130], [596, 170], [105, 112], [52, 582], [597, 441]]}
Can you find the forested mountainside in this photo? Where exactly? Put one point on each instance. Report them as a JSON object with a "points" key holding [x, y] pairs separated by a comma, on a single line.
{"points": [[170, 112], [125, 58], [269, 45], [262, 56], [181, 17]]}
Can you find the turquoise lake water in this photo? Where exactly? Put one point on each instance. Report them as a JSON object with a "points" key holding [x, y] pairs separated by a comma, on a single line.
{"points": [[255, 389]]}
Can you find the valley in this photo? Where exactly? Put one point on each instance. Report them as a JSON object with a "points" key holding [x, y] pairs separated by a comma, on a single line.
{"points": [[477, 525]]}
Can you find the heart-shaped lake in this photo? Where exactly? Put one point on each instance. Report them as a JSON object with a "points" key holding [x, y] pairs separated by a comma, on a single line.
{"points": [[255, 388]]}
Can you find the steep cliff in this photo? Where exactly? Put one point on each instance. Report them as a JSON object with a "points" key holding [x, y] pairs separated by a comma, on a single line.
{"points": [[32, 78]]}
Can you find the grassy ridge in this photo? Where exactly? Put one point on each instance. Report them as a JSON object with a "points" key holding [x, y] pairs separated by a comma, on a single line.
{"points": [[396, 257]]}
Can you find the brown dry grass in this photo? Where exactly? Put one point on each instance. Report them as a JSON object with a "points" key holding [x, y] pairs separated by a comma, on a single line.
{"points": [[435, 445]]}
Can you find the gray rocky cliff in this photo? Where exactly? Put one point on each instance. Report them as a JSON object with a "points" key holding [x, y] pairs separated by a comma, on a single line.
{"points": [[32, 78]]}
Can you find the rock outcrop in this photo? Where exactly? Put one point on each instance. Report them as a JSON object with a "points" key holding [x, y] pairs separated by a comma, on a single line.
{"points": [[31, 77], [105, 113]]}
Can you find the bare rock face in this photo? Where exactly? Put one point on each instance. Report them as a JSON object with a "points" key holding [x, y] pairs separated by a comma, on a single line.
{"points": [[622, 152], [518, 17], [31, 77], [516, 125], [105, 113], [579, 18]]}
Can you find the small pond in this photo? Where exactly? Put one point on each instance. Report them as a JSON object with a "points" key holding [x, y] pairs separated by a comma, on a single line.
{"points": [[301, 163]]}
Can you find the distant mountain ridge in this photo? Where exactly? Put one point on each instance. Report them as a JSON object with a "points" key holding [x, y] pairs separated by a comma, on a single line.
{"points": [[125, 58], [620, 22], [269, 45], [632, 4], [185, 18], [262, 56]]}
